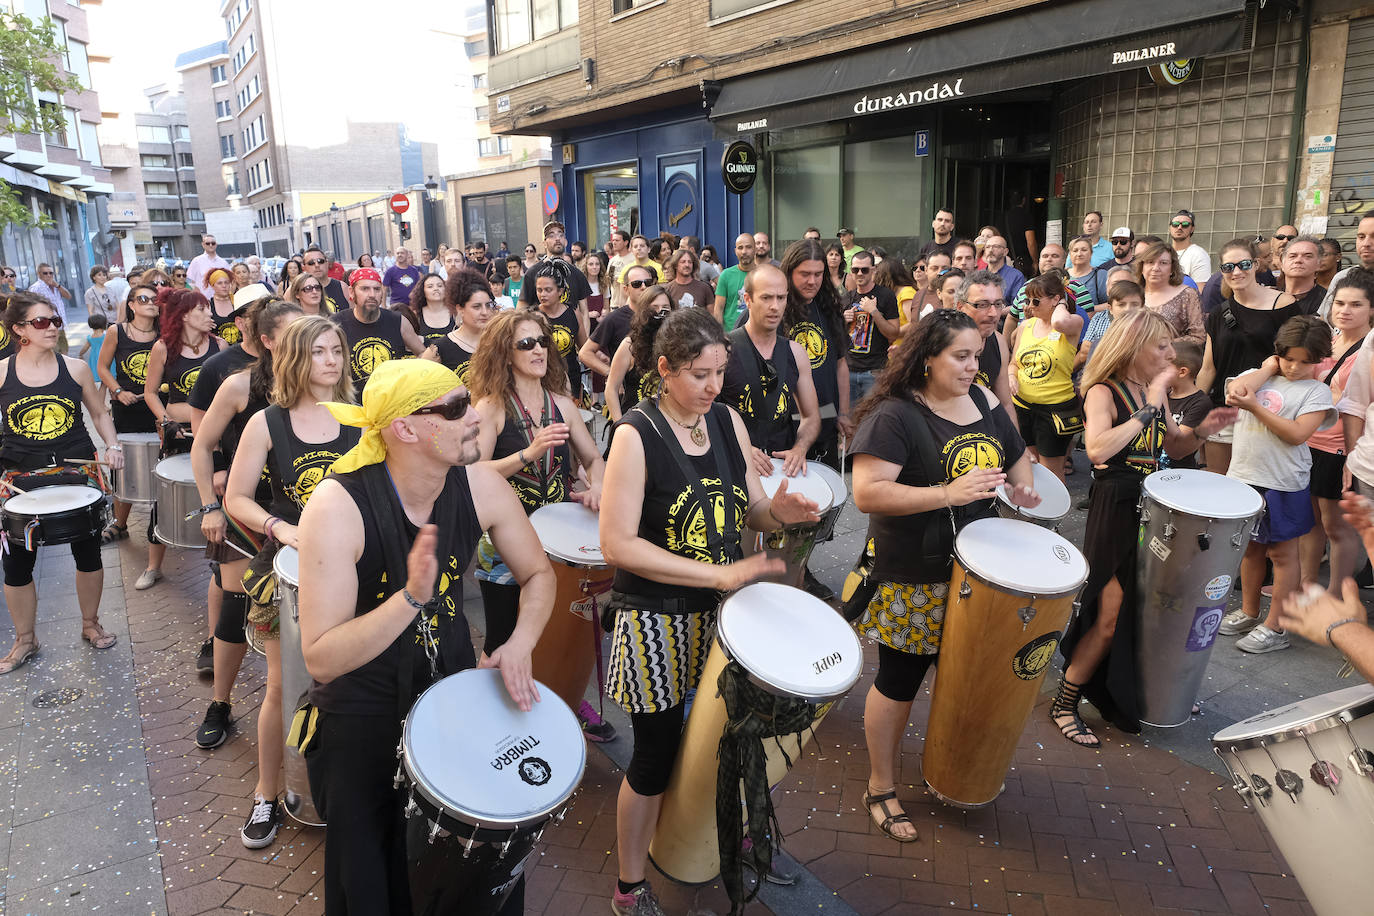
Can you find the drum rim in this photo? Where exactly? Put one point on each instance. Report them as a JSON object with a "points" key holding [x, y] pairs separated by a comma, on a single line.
{"points": [[824, 471], [1356, 710], [1145, 494], [723, 640], [559, 556], [157, 470], [777, 469], [281, 576], [83, 507], [1017, 591]]}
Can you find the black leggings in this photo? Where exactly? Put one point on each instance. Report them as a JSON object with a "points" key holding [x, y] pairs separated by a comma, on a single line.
{"points": [[501, 604], [657, 737], [900, 673], [19, 562]]}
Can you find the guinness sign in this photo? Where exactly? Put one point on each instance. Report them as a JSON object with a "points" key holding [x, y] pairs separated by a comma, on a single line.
{"points": [[739, 167]]}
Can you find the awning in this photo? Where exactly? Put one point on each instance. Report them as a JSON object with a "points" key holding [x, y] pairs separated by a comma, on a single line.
{"points": [[1047, 44]]}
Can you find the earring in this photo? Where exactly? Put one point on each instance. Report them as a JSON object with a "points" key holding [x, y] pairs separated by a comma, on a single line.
{"points": [[23, 341], [925, 371]]}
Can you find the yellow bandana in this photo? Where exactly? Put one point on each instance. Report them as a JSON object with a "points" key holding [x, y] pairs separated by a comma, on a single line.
{"points": [[398, 388]]}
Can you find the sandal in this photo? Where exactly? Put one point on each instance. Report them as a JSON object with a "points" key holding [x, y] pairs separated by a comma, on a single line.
{"points": [[1066, 705], [880, 801], [114, 532], [19, 656], [101, 640]]}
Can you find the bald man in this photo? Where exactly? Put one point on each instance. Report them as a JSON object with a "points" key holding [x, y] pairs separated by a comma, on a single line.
{"points": [[730, 286]]}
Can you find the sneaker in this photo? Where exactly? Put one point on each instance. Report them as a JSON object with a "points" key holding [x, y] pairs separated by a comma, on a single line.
{"points": [[1237, 622], [639, 902], [148, 579], [817, 587], [775, 875], [205, 661], [215, 728], [593, 726], [263, 821], [1262, 639]]}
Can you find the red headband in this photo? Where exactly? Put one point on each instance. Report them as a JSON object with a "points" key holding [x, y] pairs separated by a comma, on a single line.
{"points": [[363, 273]]}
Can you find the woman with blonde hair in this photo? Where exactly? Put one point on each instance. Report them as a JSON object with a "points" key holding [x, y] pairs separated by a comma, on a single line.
{"points": [[1159, 273], [1127, 425]]}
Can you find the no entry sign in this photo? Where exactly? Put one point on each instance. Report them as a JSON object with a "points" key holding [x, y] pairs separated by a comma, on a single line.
{"points": [[400, 203]]}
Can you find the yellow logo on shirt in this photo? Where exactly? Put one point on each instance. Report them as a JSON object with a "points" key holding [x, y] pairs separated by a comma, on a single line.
{"points": [[187, 381], [368, 354], [562, 339], [136, 366], [971, 451], [229, 333], [42, 417], [686, 531], [816, 343], [1036, 364]]}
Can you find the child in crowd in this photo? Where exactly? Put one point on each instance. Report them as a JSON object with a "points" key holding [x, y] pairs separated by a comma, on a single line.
{"points": [[1187, 402], [1121, 295], [1282, 405], [90, 351]]}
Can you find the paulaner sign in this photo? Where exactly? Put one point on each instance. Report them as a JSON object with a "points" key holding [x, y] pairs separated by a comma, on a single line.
{"points": [[933, 93], [1143, 55]]}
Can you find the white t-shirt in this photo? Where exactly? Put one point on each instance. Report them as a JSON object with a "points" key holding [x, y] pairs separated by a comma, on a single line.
{"points": [[1196, 263], [1258, 456]]}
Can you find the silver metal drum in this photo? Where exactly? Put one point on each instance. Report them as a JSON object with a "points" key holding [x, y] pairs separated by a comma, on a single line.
{"points": [[177, 496], [1194, 528], [840, 489], [134, 482], [1054, 500], [295, 683]]}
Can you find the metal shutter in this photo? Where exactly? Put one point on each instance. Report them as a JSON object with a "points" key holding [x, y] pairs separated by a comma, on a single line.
{"points": [[1352, 181]]}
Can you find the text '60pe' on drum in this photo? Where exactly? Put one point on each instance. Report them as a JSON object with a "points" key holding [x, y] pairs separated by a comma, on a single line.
{"points": [[793, 544], [792, 645], [1308, 771], [1194, 528], [1011, 595]]}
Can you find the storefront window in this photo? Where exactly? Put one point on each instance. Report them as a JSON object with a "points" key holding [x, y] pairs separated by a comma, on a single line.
{"points": [[805, 192], [883, 192], [494, 218], [612, 197]]}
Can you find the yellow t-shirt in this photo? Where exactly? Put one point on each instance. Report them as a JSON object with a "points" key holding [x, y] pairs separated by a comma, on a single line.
{"points": [[653, 265], [1044, 365], [904, 296]]}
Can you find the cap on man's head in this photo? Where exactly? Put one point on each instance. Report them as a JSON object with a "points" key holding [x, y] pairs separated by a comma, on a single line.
{"points": [[1187, 213], [551, 224], [844, 231], [1122, 233], [363, 273]]}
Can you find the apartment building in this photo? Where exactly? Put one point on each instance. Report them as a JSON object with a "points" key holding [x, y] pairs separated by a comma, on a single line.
{"points": [[61, 175]]}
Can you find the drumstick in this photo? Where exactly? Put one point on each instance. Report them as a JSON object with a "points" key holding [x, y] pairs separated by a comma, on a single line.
{"points": [[104, 464]]}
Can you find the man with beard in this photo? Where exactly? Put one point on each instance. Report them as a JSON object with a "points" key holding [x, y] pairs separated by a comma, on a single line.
{"points": [[375, 335], [980, 297], [943, 227], [730, 286], [1364, 251], [480, 262], [317, 265]]}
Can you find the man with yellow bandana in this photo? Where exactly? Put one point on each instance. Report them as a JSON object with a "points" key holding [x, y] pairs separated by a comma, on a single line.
{"points": [[383, 543]]}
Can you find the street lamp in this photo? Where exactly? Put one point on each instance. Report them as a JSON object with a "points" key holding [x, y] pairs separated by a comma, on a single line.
{"points": [[257, 240], [333, 232], [290, 234], [431, 195]]}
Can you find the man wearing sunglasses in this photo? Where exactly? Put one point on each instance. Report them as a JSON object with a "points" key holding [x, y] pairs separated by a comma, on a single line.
{"points": [[203, 263], [381, 615], [375, 335], [9, 280], [1193, 259], [54, 292], [317, 265], [1123, 253], [870, 312]]}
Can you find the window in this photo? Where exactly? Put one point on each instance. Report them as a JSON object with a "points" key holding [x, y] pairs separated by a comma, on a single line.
{"points": [[218, 74], [245, 52], [149, 133], [184, 161], [59, 136], [226, 147], [236, 16], [486, 146], [254, 135], [164, 216], [189, 187], [224, 109], [231, 184], [193, 214], [479, 81], [494, 216], [518, 22], [76, 61], [476, 48], [482, 112], [259, 176], [90, 143], [249, 92], [164, 188], [155, 162], [181, 132]]}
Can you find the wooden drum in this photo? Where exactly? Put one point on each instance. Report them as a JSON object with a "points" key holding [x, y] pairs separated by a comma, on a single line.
{"points": [[1013, 590]]}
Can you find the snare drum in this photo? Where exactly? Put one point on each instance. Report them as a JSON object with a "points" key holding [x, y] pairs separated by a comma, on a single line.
{"points": [[1194, 528], [793, 545], [792, 645], [839, 496], [1308, 771], [134, 483], [1055, 502], [565, 656], [479, 771], [54, 515], [1010, 597], [177, 496], [295, 682]]}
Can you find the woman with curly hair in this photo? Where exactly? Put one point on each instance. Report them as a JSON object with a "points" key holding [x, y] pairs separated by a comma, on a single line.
{"points": [[633, 370], [429, 311], [548, 288]]}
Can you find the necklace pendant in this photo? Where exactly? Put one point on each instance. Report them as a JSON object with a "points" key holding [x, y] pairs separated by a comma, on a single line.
{"points": [[698, 435]]}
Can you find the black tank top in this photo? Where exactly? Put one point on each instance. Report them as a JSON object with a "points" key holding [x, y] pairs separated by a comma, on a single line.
{"points": [[370, 345], [1141, 456], [454, 356], [225, 329], [42, 423], [296, 466], [824, 346], [131, 360], [989, 362], [762, 390], [180, 373], [670, 518], [640, 385], [428, 333], [546, 479], [374, 688], [565, 340]]}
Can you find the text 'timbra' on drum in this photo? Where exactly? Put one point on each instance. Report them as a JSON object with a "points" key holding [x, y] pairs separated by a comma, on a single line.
{"points": [[1055, 502], [1308, 771]]}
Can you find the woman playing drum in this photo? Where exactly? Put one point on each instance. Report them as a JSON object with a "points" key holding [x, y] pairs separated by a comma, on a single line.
{"points": [[184, 343], [1128, 424], [673, 560], [41, 394], [924, 408]]}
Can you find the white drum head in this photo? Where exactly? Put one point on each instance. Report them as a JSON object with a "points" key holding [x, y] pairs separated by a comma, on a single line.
{"points": [[569, 532], [1054, 496], [1276, 722], [138, 438], [176, 468], [1203, 493], [834, 478], [287, 566], [587, 415], [471, 750], [47, 500], [1021, 557], [811, 485], [790, 640]]}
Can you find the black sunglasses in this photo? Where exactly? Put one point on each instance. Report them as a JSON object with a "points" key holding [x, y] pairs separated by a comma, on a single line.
{"points": [[1244, 264], [145, 300], [639, 284], [10, 275], [312, 288], [529, 343], [860, 270], [449, 410], [313, 261], [1284, 237], [162, 282], [42, 324]]}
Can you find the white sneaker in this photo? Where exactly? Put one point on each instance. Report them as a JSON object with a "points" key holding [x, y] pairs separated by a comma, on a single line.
{"points": [[1237, 622], [1262, 639], [148, 579]]}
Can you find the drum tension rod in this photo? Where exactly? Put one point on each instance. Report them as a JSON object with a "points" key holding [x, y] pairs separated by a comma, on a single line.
{"points": [[434, 829], [1323, 773], [1361, 760], [412, 809], [965, 590], [1169, 531], [1241, 787], [1287, 780]]}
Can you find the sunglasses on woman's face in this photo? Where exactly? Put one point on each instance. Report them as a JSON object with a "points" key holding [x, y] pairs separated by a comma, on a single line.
{"points": [[11, 275], [449, 410], [1244, 264], [162, 282], [529, 343], [145, 300], [312, 288], [42, 324]]}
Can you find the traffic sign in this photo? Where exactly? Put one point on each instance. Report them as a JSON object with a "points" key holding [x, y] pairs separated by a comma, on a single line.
{"points": [[550, 198], [400, 203]]}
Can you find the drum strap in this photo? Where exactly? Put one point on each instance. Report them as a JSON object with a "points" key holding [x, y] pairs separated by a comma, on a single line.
{"points": [[720, 543]]}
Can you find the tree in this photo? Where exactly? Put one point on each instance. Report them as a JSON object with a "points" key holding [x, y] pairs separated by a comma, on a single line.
{"points": [[29, 56]]}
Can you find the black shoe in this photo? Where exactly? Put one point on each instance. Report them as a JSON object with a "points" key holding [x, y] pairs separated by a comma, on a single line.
{"points": [[817, 587], [205, 661], [776, 874], [1083, 502], [263, 821], [215, 728]]}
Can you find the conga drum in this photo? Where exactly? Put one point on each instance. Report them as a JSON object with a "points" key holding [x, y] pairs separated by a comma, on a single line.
{"points": [[1010, 597], [295, 683], [793, 544], [1055, 502], [565, 656], [792, 645], [1308, 771], [1194, 528]]}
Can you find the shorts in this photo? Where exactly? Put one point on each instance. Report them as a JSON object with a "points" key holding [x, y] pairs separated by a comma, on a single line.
{"points": [[1225, 436], [1039, 429], [657, 658], [1327, 470], [1287, 515], [908, 618]]}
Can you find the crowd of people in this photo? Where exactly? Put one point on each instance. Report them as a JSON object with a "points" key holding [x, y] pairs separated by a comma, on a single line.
{"points": [[444, 398]]}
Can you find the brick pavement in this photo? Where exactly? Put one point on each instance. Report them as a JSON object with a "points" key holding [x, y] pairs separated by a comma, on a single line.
{"points": [[1128, 829]]}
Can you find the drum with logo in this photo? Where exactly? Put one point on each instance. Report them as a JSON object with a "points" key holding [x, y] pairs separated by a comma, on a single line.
{"points": [[1011, 595], [134, 482], [793, 545], [295, 682], [1054, 500], [60, 514], [790, 644], [483, 779], [839, 497], [1194, 528], [1308, 771], [177, 499], [565, 656]]}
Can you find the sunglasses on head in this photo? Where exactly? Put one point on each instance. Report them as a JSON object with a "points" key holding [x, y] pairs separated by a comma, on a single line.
{"points": [[639, 284], [529, 343], [1283, 237], [42, 324], [1244, 264], [1180, 224], [313, 261], [449, 410]]}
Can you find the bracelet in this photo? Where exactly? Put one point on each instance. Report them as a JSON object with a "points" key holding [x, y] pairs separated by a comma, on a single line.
{"points": [[114, 448], [521, 455], [1340, 623], [1146, 415], [944, 494], [268, 525], [419, 606], [773, 516]]}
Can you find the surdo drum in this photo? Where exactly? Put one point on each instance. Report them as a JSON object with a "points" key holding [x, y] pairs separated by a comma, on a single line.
{"points": [[60, 514], [134, 482]]}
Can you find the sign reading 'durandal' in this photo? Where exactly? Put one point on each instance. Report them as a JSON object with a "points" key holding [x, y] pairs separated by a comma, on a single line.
{"points": [[932, 93], [739, 166]]}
